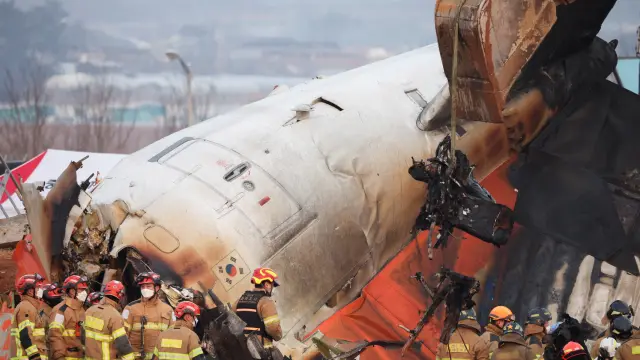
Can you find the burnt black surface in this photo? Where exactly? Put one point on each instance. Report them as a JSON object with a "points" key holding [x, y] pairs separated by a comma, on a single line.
{"points": [[561, 176], [576, 27], [60, 216]]}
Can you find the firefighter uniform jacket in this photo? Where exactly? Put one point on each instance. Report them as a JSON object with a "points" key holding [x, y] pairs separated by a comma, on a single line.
{"points": [[40, 332], [465, 343], [492, 337], [512, 347], [630, 349], [533, 337], [22, 328], [259, 312], [65, 330], [159, 317], [104, 333], [179, 343]]}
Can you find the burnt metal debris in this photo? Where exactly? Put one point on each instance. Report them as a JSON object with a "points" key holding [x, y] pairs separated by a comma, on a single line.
{"points": [[224, 336], [456, 291], [456, 200]]}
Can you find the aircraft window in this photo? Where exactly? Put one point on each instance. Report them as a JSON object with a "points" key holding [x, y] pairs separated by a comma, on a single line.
{"points": [[236, 171], [416, 97], [169, 149], [326, 102]]}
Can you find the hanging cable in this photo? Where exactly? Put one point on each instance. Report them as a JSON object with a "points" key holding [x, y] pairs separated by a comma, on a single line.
{"points": [[454, 86]]}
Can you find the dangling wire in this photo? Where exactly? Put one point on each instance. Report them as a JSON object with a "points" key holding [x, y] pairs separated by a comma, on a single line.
{"points": [[454, 86]]}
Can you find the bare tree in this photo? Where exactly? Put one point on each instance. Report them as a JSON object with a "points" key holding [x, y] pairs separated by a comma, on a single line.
{"points": [[174, 116], [204, 104], [175, 109], [104, 120], [23, 121]]}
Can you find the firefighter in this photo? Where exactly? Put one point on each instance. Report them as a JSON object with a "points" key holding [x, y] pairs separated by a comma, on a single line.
{"points": [[180, 342], [616, 309], [257, 309], [24, 318], [512, 345], [93, 299], [574, 351], [465, 341], [608, 348], [622, 330], [65, 321], [146, 318], [105, 337], [535, 329], [498, 317], [51, 296]]}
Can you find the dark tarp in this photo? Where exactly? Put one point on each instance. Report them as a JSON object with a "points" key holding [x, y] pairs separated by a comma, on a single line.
{"points": [[562, 191]]}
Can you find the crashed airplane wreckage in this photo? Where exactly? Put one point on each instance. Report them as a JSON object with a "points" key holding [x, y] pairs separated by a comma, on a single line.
{"points": [[264, 186]]}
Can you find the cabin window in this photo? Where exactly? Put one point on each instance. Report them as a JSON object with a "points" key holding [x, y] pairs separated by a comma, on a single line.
{"points": [[169, 149], [416, 97]]}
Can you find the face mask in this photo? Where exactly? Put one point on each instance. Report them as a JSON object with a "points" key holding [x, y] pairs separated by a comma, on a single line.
{"points": [[39, 293], [82, 296], [147, 293]]}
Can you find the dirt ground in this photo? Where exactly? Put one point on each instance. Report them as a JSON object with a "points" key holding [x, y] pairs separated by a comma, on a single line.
{"points": [[7, 270]]}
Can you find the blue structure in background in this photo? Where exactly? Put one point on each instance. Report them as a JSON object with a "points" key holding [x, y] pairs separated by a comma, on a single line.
{"points": [[629, 72]]}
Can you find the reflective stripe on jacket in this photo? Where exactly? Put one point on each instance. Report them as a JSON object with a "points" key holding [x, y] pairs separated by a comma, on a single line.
{"points": [[630, 349], [159, 317], [65, 330], [105, 337], [40, 332], [465, 344], [22, 327], [259, 312], [179, 343]]}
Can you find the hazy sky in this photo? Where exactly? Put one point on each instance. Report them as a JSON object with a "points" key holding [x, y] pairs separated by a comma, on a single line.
{"points": [[403, 24]]}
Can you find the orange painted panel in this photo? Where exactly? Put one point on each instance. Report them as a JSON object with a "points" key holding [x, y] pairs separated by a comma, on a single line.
{"points": [[392, 298]]}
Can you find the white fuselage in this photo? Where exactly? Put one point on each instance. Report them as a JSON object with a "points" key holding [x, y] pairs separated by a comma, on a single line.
{"points": [[325, 201]]}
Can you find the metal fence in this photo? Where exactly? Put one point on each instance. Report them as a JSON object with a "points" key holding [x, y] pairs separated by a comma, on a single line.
{"points": [[6, 178]]}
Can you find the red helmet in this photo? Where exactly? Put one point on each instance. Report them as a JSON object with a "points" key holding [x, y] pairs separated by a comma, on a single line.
{"points": [[28, 282], [114, 288], [148, 277], [94, 298], [572, 349], [186, 307], [264, 274], [51, 291], [76, 282]]}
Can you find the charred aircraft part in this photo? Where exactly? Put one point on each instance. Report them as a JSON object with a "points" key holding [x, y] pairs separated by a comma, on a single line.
{"points": [[456, 291], [487, 68], [580, 189], [224, 337], [456, 200]]}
